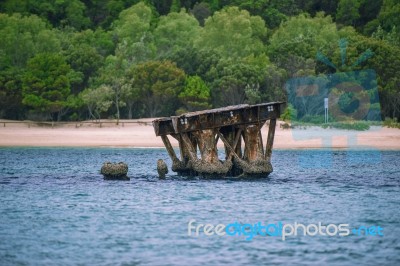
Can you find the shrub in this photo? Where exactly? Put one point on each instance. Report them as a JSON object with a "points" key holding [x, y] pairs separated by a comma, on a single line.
{"points": [[289, 114], [391, 122], [355, 125], [313, 119]]}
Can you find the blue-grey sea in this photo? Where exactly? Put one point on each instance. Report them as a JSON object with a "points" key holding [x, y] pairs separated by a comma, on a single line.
{"points": [[56, 209]]}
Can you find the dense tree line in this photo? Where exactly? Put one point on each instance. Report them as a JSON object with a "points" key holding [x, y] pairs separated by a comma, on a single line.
{"points": [[81, 59]]}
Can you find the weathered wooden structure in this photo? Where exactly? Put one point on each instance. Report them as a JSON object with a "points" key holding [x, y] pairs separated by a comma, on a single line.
{"points": [[238, 127]]}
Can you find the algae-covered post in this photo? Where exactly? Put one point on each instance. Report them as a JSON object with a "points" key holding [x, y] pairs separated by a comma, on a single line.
{"points": [[115, 171], [236, 126]]}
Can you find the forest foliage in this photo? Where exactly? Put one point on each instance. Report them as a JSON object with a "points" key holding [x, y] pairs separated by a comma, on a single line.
{"points": [[92, 59]]}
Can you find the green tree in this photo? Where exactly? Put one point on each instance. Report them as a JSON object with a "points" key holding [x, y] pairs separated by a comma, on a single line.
{"points": [[73, 12], [312, 7], [195, 95], [302, 37], [255, 7], [131, 97], [161, 7], [286, 7], [14, 6], [113, 76], [97, 100], [103, 12], [133, 23], [214, 4], [175, 6], [133, 32], [392, 37], [201, 11], [46, 84], [252, 80], [236, 81], [10, 93], [193, 61], [387, 19], [84, 52], [369, 11], [175, 32], [232, 32], [60, 13], [273, 18], [348, 12], [23, 37], [272, 85], [389, 15], [272, 11], [385, 62], [297, 66], [159, 83]]}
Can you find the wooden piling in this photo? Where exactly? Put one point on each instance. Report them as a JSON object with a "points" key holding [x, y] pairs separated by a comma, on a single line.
{"points": [[169, 148], [270, 138]]}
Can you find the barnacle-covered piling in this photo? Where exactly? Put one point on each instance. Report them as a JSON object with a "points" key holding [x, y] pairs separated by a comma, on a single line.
{"points": [[115, 171], [239, 129], [162, 169]]}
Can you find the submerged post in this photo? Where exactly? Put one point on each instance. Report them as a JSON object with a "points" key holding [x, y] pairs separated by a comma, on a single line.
{"points": [[239, 129]]}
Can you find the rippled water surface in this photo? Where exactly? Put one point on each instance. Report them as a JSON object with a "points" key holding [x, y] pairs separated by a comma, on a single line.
{"points": [[55, 208]]}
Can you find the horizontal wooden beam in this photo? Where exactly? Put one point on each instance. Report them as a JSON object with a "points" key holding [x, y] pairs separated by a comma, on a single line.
{"points": [[216, 118]]}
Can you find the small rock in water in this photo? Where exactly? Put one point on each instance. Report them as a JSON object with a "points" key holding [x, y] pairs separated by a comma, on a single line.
{"points": [[115, 171], [162, 168]]}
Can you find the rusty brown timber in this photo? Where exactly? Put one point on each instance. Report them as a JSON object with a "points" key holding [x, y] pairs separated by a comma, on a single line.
{"points": [[238, 127]]}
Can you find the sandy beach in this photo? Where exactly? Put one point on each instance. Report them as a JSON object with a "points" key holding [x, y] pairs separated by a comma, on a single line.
{"points": [[140, 133]]}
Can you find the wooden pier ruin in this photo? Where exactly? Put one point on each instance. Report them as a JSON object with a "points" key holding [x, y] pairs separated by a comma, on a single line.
{"points": [[238, 127]]}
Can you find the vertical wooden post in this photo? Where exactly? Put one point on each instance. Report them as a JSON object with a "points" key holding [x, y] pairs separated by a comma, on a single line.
{"points": [[238, 142], [260, 140], [188, 144], [270, 138], [207, 145], [252, 143], [182, 149], [169, 148], [229, 134]]}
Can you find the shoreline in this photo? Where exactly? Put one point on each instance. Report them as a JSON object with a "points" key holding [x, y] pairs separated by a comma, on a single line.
{"points": [[176, 147], [140, 134]]}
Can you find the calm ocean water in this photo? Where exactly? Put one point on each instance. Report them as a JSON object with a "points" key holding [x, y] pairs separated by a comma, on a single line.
{"points": [[56, 209]]}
